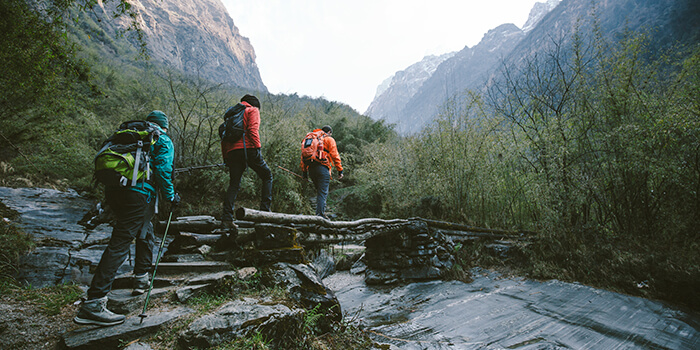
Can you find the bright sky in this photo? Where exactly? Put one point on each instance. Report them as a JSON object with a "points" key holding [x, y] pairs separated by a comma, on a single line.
{"points": [[342, 50]]}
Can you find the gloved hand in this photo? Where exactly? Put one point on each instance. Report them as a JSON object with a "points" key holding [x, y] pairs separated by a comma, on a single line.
{"points": [[305, 175], [340, 175], [175, 201]]}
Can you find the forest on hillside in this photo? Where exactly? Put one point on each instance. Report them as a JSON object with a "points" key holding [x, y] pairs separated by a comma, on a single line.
{"points": [[594, 145]]}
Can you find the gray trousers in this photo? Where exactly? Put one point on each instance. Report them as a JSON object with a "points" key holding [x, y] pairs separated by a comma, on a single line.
{"points": [[321, 177], [134, 212]]}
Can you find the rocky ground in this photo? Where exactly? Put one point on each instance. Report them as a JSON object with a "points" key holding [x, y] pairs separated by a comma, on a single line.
{"points": [[24, 325]]}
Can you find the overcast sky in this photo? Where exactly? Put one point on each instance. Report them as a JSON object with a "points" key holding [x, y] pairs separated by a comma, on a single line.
{"points": [[342, 50]]}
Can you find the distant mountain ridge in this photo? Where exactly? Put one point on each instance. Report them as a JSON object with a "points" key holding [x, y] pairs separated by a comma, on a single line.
{"points": [[196, 37], [397, 90], [471, 68], [412, 99]]}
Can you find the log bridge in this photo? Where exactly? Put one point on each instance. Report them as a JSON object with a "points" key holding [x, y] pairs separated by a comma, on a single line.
{"points": [[318, 230], [395, 250]]}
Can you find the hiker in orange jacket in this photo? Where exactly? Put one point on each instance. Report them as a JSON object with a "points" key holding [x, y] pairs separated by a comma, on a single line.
{"points": [[320, 172], [238, 158]]}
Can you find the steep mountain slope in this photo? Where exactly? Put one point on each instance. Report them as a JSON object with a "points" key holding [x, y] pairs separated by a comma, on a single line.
{"points": [[397, 90], [468, 69], [197, 37]]}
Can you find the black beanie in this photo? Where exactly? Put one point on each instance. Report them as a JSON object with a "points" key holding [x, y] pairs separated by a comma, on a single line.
{"points": [[327, 129], [252, 100]]}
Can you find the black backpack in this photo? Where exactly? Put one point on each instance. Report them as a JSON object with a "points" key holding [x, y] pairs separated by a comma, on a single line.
{"points": [[124, 159], [233, 128]]}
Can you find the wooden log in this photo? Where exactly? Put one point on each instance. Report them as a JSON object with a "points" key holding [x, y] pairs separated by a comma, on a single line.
{"points": [[281, 218], [451, 226]]}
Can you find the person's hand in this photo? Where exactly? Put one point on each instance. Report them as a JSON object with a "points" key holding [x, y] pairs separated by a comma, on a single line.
{"points": [[340, 175], [175, 201]]}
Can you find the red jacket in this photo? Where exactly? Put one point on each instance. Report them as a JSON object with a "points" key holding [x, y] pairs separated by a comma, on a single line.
{"points": [[251, 122]]}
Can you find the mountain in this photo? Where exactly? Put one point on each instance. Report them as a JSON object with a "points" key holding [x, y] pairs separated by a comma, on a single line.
{"points": [[667, 22], [197, 37], [414, 96], [397, 90]]}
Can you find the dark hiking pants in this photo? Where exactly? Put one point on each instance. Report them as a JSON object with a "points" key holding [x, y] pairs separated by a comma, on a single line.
{"points": [[321, 177], [134, 212], [238, 162]]}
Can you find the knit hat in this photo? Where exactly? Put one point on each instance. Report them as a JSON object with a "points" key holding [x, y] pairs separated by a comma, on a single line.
{"points": [[327, 129], [159, 118], [252, 100]]}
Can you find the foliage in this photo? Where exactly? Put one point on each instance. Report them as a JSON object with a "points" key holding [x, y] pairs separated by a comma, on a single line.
{"points": [[255, 342], [14, 243], [592, 142]]}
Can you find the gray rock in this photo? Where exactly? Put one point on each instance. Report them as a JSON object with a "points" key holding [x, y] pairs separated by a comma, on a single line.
{"points": [[373, 277], [192, 267], [122, 302], [421, 273], [182, 258], [94, 337], [187, 292], [305, 287], [359, 266], [323, 264], [238, 318], [138, 346], [212, 277]]}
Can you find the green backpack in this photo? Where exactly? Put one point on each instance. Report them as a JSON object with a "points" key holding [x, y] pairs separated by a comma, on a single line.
{"points": [[124, 159]]}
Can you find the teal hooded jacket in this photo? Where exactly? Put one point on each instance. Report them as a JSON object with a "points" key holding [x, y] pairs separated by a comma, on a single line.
{"points": [[162, 157]]}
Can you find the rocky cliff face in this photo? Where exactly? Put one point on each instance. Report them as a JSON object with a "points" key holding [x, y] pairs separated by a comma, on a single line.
{"points": [[197, 37]]}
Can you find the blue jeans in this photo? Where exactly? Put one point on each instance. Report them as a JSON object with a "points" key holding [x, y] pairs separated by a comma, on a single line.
{"points": [[321, 177], [238, 162], [134, 211]]}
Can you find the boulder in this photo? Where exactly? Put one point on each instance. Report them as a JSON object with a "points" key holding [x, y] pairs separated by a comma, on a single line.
{"points": [[323, 264], [241, 317], [305, 287]]}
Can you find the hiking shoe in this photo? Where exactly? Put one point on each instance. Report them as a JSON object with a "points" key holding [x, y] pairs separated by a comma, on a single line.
{"points": [[95, 312], [141, 283]]}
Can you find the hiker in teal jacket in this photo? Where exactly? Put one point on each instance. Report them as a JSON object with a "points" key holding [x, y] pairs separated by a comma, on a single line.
{"points": [[134, 207]]}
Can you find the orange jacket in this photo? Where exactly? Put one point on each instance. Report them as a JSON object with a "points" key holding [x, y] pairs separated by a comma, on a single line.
{"points": [[251, 122], [333, 158]]}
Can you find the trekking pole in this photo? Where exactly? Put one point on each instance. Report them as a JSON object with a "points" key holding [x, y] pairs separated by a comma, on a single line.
{"points": [[153, 278]]}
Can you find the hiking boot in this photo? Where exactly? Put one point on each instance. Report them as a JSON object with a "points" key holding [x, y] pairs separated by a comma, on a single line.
{"points": [[141, 283], [95, 312]]}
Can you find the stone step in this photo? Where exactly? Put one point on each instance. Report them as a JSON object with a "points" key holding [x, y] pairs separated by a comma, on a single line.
{"points": [[95, 337], [126, 281], [123, 302], [182, 258], [174, 268]]}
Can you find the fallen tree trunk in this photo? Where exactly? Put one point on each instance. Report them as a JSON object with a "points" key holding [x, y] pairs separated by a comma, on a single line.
{"points": [[281, 218], [451, 226]]}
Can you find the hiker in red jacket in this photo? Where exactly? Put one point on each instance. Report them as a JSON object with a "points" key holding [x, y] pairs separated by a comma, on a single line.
{"points": [[238, 158]]}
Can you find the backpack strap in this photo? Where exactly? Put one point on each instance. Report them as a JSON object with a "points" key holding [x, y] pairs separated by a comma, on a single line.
{"points": [[137, 162]]}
